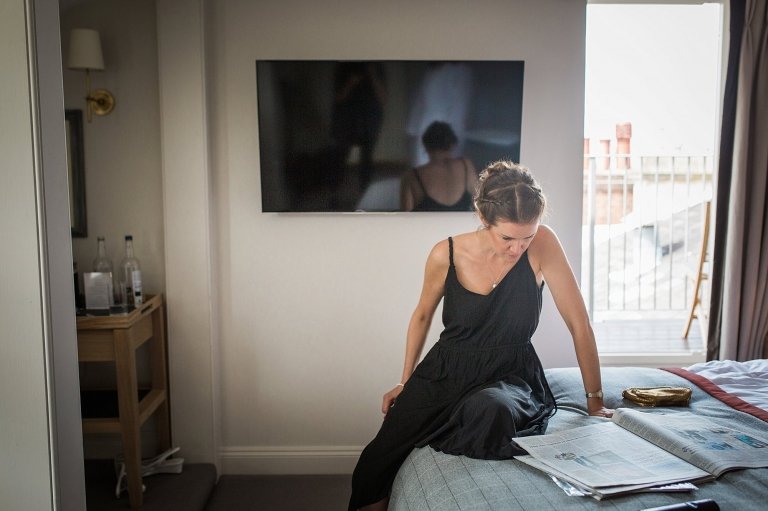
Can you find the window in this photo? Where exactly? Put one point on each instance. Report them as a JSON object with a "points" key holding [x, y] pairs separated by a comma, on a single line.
{"points": [[651, 119]]}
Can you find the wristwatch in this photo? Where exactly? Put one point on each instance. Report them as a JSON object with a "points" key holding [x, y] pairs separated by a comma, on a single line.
{"points": [[598, 394]]}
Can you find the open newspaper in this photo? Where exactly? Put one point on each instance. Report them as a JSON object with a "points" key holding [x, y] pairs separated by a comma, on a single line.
{"points": [[638, 450]]}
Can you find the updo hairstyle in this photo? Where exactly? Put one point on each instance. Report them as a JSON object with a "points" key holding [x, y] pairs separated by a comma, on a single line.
{"points": [[439, 136], [507, 191]]}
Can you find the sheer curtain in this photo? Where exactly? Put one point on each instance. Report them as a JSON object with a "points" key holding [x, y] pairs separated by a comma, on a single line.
{"points": [[739, 302]]}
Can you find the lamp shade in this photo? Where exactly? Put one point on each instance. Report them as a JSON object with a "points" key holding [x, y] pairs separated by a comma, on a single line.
{"points": [[85, 49]]}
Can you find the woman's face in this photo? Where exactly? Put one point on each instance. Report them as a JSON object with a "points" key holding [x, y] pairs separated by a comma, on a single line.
{"points": [[511, 239]]}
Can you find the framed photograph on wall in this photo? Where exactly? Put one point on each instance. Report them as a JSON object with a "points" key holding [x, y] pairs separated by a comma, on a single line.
{"points": [[76, 167]]}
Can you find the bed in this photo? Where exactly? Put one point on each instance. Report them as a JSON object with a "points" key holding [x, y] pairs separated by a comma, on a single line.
{"points": [[430, 480]]}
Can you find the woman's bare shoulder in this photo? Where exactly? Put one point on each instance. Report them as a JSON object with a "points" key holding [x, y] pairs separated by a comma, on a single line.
{"points": [[440, 254], [466, 240], [545, 235], [464, 161], [466, 246], [544, 245], [461, 242]]}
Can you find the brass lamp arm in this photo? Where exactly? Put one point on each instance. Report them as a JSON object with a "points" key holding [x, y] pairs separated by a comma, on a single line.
{"points": [[99, 101]]}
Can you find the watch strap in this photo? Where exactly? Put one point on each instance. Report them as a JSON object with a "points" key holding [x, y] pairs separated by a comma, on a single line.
{"points": [[598, 394]]}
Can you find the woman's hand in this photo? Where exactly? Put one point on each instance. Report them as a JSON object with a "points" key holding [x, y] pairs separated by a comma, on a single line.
{"points": [[389, 399], [599, 410]]}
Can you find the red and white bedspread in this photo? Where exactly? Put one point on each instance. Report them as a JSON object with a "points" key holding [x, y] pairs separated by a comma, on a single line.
{"points": [[742, 385]]}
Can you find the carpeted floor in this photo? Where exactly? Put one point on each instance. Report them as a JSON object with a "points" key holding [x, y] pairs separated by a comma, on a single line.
{"points": [[284, 493], [195, 489], [188, 491]]}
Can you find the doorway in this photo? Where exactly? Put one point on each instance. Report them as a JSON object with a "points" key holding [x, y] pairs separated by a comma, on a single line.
{"points": [[652, 100]]}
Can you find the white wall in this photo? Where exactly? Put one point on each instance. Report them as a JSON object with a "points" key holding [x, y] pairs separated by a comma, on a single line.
{"points": [[314, 308], [122, 149], [40, 443], [23, 392], [283, 359], [186, 185], [56, 258]]}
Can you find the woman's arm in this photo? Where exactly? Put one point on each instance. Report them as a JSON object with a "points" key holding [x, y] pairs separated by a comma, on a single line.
{"points": [[421, 319], [559, 277], [406, 191], [471, 176]]}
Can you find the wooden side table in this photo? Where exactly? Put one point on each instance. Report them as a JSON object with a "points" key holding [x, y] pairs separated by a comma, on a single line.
{"points": [[116, 338]]}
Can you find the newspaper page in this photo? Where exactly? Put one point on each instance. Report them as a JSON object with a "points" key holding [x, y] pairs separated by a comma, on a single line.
{"points": [[700, 441], [603, 455], [604, 492]]}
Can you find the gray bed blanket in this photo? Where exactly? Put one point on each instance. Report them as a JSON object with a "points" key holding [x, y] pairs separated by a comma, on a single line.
{"points": [[430, 480]]}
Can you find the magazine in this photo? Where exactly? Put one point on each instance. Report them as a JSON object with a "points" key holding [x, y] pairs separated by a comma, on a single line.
{"points": [[638, 450]]}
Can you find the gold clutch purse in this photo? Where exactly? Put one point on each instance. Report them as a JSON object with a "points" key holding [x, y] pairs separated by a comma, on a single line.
{"points": [[658, 396]]}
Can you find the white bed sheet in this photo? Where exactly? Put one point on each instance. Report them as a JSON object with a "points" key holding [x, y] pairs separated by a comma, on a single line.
{"points": [[747, 380]]}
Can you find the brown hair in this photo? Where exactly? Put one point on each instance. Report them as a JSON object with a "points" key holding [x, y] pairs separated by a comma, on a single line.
{"points": [[507, 191], [439, 136]]}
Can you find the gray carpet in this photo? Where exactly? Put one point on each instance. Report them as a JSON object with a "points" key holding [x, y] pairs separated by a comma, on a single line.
{"points": [[188, 491], [284, 493], [195, 489]]}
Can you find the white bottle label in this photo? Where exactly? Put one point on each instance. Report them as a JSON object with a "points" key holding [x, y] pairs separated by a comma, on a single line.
{"points": [[138, 297]]}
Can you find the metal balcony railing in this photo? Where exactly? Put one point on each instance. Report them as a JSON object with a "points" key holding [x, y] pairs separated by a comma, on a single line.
{"points": [[642, 229]]}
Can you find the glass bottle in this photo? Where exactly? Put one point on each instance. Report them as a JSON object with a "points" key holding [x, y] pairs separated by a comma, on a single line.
{"points": [[102, 263], [130, 277]]}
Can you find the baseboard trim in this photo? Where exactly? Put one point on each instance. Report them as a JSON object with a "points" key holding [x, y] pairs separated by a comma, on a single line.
{"points": [[284, 460]]}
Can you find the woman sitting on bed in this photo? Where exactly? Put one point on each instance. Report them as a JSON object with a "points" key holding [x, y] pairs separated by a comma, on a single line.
{"points": [[482, 384]]}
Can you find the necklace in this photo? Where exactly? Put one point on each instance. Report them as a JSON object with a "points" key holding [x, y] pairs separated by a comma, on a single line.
{"points": [[498, 277], [504, 264]]}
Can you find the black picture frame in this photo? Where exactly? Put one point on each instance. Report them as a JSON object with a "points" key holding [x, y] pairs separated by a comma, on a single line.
{"points": [[73, 120]]}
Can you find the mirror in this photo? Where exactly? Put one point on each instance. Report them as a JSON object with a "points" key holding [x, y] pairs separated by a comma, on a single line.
{"points": [[76, 167]]}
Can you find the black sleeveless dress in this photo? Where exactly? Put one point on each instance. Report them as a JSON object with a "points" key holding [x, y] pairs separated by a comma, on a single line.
{"points": [[427, 203], [480, 386]]}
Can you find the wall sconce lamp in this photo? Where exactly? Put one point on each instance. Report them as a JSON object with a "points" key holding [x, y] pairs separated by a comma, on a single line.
{"points": [[85, 54]]}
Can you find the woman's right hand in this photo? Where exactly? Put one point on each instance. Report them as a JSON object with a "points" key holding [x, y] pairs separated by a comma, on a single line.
{"points": [[389, 399]]}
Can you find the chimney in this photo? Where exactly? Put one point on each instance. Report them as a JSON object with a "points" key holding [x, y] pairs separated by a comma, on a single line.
{"points": [[623, 135], [604, 162]]}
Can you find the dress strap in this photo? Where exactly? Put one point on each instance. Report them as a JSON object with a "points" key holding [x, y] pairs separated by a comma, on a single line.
{"points": [[418, 180], [450, 249]]}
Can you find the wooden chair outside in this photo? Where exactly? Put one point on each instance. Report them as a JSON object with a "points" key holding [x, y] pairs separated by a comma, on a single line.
{"points": [[699, 275]]}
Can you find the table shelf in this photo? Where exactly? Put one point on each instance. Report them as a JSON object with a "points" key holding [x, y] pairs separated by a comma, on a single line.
{"points": [[116, 338], [148, 404]]}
